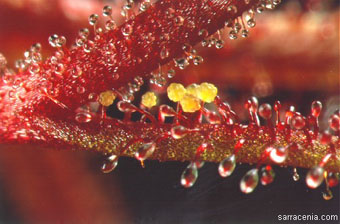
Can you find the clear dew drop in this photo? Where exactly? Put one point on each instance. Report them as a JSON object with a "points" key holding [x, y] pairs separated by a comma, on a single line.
{"points": [[251, 23], [110, 25], [144, 5], [213, 118], [237, 27], [249, 181], [84, 32], [245, 33], [52, 40], [171, 73], [181, 63], [20, 64], [315, 177], [189, 175], [127, 30], [107, 10], [278, 155], [219, 44], [296, 176], [298, 122], [204, 43], [83, 117], [267, 176], [197, 60], [93, 19], [61, 41], [227, 166], [232, 35], [211, 42], [265, 111], [109, 164], [36, 48], [316, 108], [328, 195], [178, 132], [145, 151]]}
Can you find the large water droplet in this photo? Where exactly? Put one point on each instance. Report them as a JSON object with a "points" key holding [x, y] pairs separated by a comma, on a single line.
{"points": [[110, 164], [298, 122], [145, 151], [249, 181], [213, 118], [265, 111], [268, 175], [189, 175], [178, 132], [315, 177], [83, 117], [227, 166], [316, 108], [278, 155]]}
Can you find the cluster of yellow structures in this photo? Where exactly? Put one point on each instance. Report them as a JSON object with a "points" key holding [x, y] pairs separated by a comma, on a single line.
{"points": [[189, 98]]}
